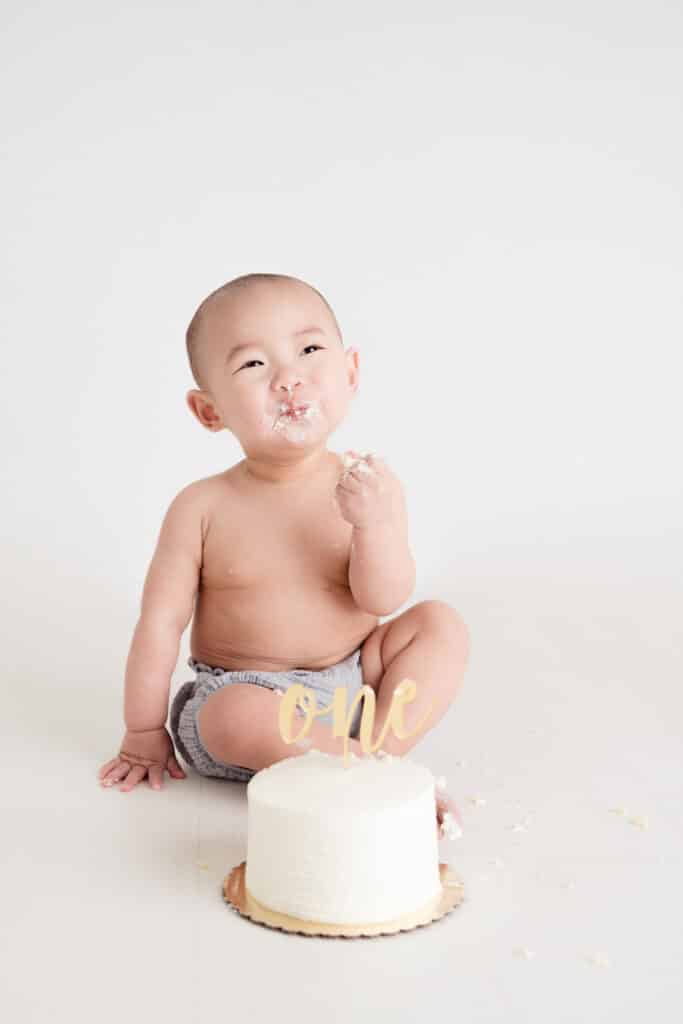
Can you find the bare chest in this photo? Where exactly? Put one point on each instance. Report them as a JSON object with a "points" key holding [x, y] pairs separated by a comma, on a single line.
{"points": [[274, 588], [270, 544]]}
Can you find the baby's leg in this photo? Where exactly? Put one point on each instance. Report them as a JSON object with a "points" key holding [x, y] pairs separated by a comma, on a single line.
{"points": [[428, 644], [239, 725]]}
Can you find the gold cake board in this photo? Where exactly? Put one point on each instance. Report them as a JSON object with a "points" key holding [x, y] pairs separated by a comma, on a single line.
{"points": [[236, 893]]}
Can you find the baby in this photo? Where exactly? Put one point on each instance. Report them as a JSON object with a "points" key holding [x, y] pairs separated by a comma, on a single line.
{"points": [[284, 562]]}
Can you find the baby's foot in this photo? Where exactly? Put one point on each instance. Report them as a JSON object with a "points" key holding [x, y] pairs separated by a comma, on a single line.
{"points": [[448, 821]]}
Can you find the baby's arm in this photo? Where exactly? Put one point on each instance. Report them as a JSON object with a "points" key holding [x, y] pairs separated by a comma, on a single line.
{"points": [[166, 609]]}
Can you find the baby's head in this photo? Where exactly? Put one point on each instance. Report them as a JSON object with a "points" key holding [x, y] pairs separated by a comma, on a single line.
{"points": [[290, 354]]}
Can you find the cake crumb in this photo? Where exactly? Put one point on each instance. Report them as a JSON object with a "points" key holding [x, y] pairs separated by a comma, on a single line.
{"points": [[632, 819], [640, 822], [524, 952], [203, 867], [478, 801], [598, 959]]}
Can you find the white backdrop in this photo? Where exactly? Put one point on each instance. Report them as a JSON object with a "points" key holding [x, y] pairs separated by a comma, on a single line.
{"points": [[491, 203], [489, 196]]}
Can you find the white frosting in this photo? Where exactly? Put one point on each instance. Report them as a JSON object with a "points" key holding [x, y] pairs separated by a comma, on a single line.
{"points": [[450, 826], [350, 462], [342, 844], [296, 428]]}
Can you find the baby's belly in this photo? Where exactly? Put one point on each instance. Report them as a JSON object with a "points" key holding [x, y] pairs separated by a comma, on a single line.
{"points": [[277, 629]]}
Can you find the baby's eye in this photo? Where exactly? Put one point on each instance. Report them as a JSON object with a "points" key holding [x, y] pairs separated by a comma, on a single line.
{"points": [[258, 360]]}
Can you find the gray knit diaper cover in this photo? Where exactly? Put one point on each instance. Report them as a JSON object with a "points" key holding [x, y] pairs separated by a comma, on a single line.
{"points": [[193, 694]]}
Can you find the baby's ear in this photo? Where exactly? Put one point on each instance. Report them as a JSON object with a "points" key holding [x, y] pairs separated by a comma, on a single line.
{"points": [[202, 408], [354, 368], [193, 402]]}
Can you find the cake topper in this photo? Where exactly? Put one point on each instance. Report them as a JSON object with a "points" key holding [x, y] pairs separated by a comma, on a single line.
{"points": [[303, 697]]}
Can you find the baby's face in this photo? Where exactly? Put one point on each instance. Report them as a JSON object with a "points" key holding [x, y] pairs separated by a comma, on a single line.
{"points": [[270, 352]]}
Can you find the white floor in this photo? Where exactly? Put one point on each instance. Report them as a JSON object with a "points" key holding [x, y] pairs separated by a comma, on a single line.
{"points": [[112, 907]]}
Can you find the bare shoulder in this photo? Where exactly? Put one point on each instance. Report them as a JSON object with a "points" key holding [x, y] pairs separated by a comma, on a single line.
{"points": [[201, 497], [211, 487], [192, 504]]}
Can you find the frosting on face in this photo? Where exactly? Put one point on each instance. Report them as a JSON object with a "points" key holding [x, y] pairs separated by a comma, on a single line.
{"points": [[294, 423]]}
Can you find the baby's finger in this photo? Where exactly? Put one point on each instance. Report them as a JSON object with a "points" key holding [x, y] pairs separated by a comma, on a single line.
{"points": [[156, 776], [118, 772], [346, 487], [362, 470], [106, 767], [348, 477], [135, 775], [174, 769]]}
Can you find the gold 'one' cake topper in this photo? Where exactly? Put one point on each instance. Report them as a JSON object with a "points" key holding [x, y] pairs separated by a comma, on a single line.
{"points": [[303, 697]]}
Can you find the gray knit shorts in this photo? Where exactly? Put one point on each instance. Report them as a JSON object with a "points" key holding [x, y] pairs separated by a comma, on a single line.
{"points": [[193, 694]]}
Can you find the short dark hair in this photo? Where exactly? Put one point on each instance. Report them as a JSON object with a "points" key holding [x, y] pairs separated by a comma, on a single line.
{"points": [[193, 332]]}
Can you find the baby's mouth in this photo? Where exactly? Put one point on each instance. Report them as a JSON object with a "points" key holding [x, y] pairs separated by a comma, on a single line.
{"points": [[294, 413]]}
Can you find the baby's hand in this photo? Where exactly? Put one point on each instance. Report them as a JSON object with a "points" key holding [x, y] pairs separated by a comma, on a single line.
{"points": [[368, 492], [142, 753]]}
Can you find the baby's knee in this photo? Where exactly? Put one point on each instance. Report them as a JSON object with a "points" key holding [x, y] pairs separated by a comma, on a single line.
{"points": [[230, 709], [230, 720], [443, 617]]}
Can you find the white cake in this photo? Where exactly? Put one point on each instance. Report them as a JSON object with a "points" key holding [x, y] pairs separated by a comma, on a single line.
{"points": [[342, 844]]}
